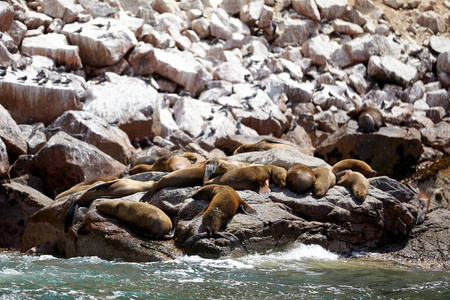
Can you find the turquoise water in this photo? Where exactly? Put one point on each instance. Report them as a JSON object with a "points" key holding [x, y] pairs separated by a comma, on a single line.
{"points": [[296, 273]]}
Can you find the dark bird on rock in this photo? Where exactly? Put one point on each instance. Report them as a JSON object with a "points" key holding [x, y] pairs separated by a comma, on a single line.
{"points": [[79, 30], [3, 73], [56, 81], [39, 75], [99, 25], [66, 81], [43, 81], [108, 25], [102, 78], [23, 78]]}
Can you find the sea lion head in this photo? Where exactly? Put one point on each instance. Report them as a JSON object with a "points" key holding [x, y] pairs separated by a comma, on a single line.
{"points": [[279, 176]]}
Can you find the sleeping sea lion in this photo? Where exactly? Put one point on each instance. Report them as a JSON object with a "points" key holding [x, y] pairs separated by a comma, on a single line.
{"points": [[354, 181], [167, 163], [300, 179], [224, 203], [370, 119], [265, 144], [179, 178], [153, 222], [82, 186], [193, 157], [354, 165], [325, 179], [253, 177], [112, 189], [424, 202]]}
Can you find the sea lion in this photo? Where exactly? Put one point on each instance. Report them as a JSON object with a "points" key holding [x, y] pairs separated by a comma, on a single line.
{"points": [[82, 186], [253, 177], [369, 119], [354, 165], [265, 144], [223, 206], [300, 179], [180, 178], [166, 163], [112, 189], [424, 202], [354, 181], [152, 220], [325, 179], [193, 157], [218, 166]]}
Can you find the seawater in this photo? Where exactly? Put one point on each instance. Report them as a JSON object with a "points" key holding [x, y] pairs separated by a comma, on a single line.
{"points": [[300, 272]]}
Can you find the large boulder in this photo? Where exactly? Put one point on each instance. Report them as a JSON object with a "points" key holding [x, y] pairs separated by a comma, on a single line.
{"points": [[17, 203], [10, 134], [4, 161], [65, 161], [96, 131], [391, 151]]}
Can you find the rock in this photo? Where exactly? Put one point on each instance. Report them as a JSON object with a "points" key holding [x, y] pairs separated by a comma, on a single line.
{"points": [[318, 49], [367, 7], [165, 6], [433, 21], [34, 136], [391, 151], [427, 247], [295, 32], [389, 69], [394, 3], [34, 20], [4, 161], [307, 8], [100, 47], [66, 10], [346, 27], [443, 62], [231, 72], [180, 67], [17, 203], [74, 161], [7, 16], [440, 44], [93, 130], [361, 49], [55, 46], [438, 98], [223, 26], [437, 136], [97, 8], [28, 101], [331, 10], [10, 135], [17, 32], [251, 13], [130, 109]]}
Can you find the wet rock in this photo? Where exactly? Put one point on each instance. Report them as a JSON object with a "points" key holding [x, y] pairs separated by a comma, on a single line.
{"points": [[307, 8], [130, 109], [17, 203], [391, 151], [96, 131], [10, 134], [389, 69], [437, 136], [7, 16], [55, 46], [65, 10], [100, 46], [74, 161]]}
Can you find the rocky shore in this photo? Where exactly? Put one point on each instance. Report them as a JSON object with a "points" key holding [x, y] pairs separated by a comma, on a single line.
{"points": [[89, 88]]}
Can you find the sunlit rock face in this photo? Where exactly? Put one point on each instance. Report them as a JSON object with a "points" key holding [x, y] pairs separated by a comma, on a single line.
{"points": [[27, 101], [116, 103], [73, 161], [10, 134], [4, 161], [55, 46], [95, 131], [6, 15], [100, 46]]}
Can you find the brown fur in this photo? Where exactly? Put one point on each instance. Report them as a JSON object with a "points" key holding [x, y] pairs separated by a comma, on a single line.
{"points": [[354, 181], [264, 145], [300, 179], [167, 163], [325, 179], [354, 165], [369, 118], [82, 186]]}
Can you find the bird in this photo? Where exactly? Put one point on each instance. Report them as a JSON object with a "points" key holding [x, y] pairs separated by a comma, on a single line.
{"points": [[57, 81], [39, 75], [66, 81], [43, 81], [79, 30], [108, 25], [22, 78], [102, 78], [99, 25], [3, 73]]}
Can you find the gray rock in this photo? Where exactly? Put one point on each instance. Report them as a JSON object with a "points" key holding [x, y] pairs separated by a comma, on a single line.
{"points": [[10, 134], [437, 136], [307, 8], [295, 32], [440, 44], [331, 9], [7, 16], [389, 69], [4, 161]]}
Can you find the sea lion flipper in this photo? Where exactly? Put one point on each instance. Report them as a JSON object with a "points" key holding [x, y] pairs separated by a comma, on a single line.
{"points": [[69, 217], [226, 235], [264, 188], [170, 235], [421, 215], [248, 209], [101, 185], [195, 238]]}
